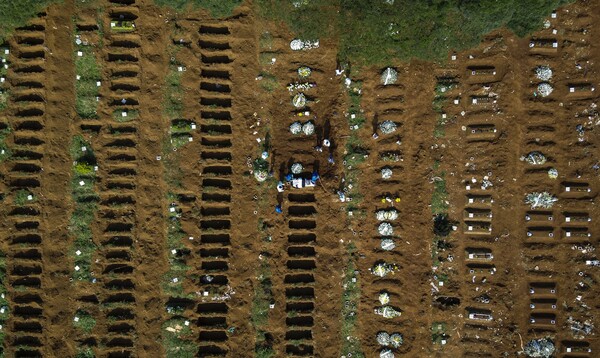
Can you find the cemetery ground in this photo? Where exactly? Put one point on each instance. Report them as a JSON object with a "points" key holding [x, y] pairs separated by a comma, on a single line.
{"points": [[178, 185]]}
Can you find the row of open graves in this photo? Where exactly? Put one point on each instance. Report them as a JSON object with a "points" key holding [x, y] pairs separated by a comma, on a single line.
{"points": [[22, 85], [557, 222]]}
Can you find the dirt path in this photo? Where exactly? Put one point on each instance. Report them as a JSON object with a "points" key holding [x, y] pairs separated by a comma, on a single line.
{"points": [[150, 189], [56, 176]]}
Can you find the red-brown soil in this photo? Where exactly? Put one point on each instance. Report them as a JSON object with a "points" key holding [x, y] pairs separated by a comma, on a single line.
{"points": [[225, 214]]}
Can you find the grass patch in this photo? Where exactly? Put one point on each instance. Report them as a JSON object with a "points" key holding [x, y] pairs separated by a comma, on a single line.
{"points": [[177, 339], [262, 297], [3, 301], [265, 41], [378, 33], [269, 82], [177, 257], [439, 130], [217, 8], [310, 21], [181, 126], [440, 195], [22, 197], [4, 150], [14, 14], [438, 332], [85, 352], [130, 114], [85, 322], [84, 213], [86, 87], [173, 100], [122, 26], [350, 300]]}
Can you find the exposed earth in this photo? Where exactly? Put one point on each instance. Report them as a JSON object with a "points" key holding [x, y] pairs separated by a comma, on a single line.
{"points": [[138, 228]]}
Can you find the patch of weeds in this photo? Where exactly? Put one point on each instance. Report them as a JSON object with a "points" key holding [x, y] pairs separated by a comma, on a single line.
{"points": [[4, 150], [4, 95], [173, 99], [85, 352], [125, 115], [350, 301], [440, 195], [265, 41], [438, 332], [177, 339], [180, 139], [172, 282], [217, 8], [266, 58], [439, 130], [181, 126], [262, 297], [86, 86], [122, 26], [14, 14], [84, 321], [3, 301], [269, 82], [84, 213], [22, 197]]}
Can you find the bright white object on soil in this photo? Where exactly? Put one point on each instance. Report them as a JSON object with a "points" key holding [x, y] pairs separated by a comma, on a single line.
{"points": [[386, 215], [299, 100], [543, 73], [535, 158], [385, 229], [386, 353], [261, 175], [545, 89], [387, 312], [386, 173], [389, 76], [383, 338], [384, 298], [388, 244], [298, 45], [304, 72], [308, 128], [396, 340], [295, 128], [387, 127], [540, 200], [297, 168]]}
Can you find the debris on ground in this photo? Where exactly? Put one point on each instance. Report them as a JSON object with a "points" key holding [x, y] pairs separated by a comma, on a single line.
{"points": [[385, 229], [387, 127], [302, 45], [386, 215], [539, 348], [535, 158], [387, 312], [389, 76], [543, 73], [386, 173], [544, 89], [540, 200]]}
